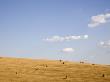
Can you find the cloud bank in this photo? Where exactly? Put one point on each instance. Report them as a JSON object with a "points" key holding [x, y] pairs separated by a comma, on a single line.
{"points": [[99, 19], [68, 50], [105, 44], [65, 38]]}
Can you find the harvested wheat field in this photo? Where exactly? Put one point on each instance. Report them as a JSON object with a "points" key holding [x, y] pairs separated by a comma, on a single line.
{"points": [[28, 70]]}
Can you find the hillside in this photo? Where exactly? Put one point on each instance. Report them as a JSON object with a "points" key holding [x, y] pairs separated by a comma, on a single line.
{"points": [[28, 70]]}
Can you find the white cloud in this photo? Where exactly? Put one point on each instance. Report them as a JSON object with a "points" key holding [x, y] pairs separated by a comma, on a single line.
{"points": [[54, 39], [85, 36], [99, 19], [65, 38], [68, 50], [105, 44]]}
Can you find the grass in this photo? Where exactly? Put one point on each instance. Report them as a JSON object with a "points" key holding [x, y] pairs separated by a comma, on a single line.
{"points": [[28, 70]]}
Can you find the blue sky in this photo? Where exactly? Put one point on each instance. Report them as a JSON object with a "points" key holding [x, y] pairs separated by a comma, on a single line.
{"points": [[25, 26]]}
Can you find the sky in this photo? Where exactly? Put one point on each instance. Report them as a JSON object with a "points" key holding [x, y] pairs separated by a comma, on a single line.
{"points": [[72, 30]]}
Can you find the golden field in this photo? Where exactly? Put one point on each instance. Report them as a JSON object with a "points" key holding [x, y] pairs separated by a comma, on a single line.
{"points": [[28, 70]]}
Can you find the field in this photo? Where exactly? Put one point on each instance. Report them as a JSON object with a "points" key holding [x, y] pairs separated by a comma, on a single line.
{"points": [[28, 70]]}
